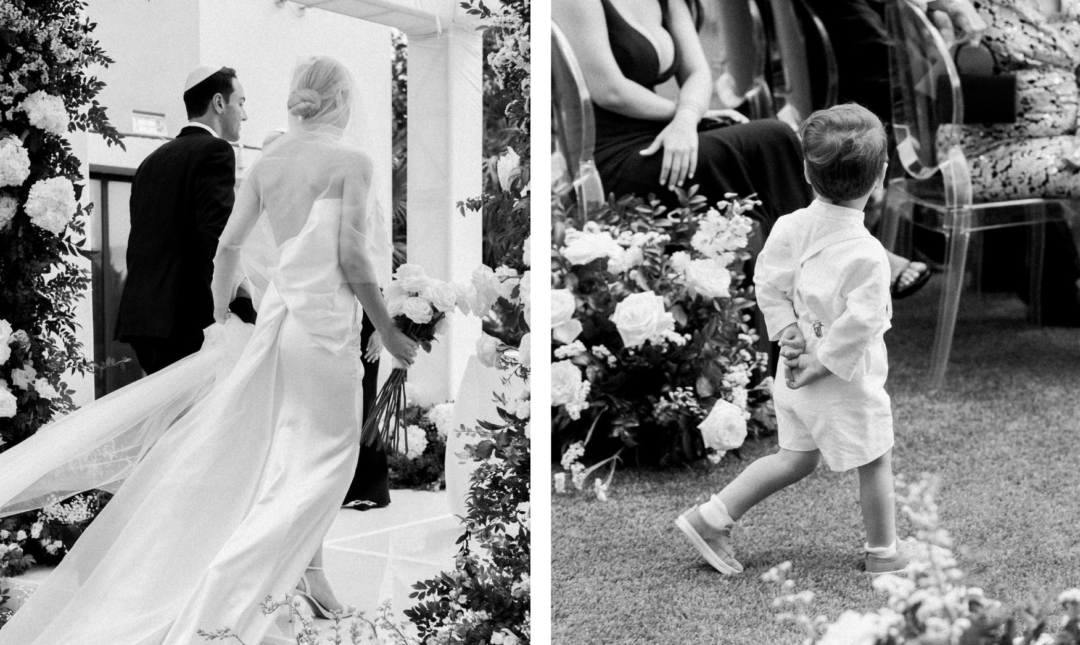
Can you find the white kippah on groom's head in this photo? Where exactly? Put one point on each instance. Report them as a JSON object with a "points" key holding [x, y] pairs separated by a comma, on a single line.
{"points": [[200, 74]]}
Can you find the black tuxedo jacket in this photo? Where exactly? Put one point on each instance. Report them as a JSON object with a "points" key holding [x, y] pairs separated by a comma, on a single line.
{"points": [[181, 198]]}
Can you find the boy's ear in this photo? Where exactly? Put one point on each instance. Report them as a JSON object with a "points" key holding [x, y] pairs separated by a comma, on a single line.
{"points": [[884, 173], [806, 172]]}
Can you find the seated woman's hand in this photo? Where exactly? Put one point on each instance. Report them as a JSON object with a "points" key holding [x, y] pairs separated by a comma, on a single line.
{"points": [[400, 346], [679, 141]]}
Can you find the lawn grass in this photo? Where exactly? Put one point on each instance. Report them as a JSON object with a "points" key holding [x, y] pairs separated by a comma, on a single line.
{"points": [[1002, 435]]}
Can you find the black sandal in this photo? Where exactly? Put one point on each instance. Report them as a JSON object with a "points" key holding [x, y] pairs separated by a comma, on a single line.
{"points": [[918, 283]]}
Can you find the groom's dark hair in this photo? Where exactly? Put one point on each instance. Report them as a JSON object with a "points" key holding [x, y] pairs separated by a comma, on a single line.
{"points": [[197, 99]]}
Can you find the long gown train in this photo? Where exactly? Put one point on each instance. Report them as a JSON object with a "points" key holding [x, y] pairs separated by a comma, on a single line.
{"points": [[232, 501]]}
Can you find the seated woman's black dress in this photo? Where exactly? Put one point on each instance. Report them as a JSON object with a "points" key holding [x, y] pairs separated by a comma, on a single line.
{"points": [[762, 157]]}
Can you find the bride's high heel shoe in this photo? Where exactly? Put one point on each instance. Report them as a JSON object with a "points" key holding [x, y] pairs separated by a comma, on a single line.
{"points": [[303, 590]]}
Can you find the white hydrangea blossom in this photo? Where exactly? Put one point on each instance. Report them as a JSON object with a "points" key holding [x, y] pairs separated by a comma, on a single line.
{"points": [[14, 162], [51, 204], [47, 112], [417, 441]]}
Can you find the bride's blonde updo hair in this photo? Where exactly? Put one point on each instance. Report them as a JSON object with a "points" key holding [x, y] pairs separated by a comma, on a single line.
{"points": [[321, 91]]}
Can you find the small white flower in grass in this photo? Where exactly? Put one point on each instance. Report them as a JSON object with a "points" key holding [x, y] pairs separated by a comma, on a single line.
{"points": [[23, 378], [45, 389], [417, 309], [8, 402], [577, 475], [601, 489], [560, 482], [417, 442], [51, 204], [14, 162], [853, 628], [641, 317], [724, 428], [8, 206], [1069, 597], [46, 112]]}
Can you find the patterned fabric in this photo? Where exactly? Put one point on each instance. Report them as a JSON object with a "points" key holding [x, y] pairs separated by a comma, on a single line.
{"points": [[1037, 156]]}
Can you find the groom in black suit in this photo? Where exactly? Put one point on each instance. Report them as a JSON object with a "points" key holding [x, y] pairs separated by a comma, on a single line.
{"points": [[181, 198]]}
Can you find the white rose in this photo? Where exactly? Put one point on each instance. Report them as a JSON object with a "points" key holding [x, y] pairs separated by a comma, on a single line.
{"points": [[487, 290], [628, 259], [564, 328], [14, 162], [565, 383], [708, 278], [20, 536], [51, 204], [724, 428], [395, 299], [442, 295], [526, 255], [525, 351], [505, 167], [45, 389], [46, 112], [417, 441], [487, 349], [417, 309], [506, 279], [23, 378], [8, 402], [640, 317], [466, 295], [411, 278], [525, 294], [8, 206], [582, 248]]}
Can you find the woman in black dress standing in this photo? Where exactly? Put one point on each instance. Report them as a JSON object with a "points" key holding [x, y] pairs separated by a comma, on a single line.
{"points": [[648, 144]]}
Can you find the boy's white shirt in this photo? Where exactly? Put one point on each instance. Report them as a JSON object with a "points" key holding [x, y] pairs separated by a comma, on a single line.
{"points": [[844, 286]]}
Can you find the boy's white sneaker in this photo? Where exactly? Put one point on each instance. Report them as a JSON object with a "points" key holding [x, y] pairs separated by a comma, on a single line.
{"points": [[713, 544]]}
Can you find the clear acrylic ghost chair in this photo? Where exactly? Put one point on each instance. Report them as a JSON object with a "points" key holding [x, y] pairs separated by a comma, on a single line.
{"points": [[935, 191], [810, 76], [737, 38], [573, 123]]}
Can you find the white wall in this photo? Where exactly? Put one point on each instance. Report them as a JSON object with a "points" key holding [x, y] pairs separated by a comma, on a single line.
{"points": [[155, 43]]}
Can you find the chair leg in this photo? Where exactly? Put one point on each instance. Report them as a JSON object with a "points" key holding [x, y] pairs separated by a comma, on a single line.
{"points": [[950, 304], [894, 208], [1036, 262]]}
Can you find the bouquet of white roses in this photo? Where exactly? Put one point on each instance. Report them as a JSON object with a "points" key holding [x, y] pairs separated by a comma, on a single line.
{"points": [[418, 305]]}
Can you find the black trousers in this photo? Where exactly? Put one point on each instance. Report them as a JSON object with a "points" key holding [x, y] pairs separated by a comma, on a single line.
{"points": [[371, 483]]}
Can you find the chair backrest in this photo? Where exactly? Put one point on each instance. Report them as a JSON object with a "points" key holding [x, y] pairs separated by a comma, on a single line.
{"points": [[925, 87], [573, 121], [810, 77], [760, 94]]}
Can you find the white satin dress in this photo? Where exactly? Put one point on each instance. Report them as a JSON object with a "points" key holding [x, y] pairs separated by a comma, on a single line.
{"points": [[230, 504]]}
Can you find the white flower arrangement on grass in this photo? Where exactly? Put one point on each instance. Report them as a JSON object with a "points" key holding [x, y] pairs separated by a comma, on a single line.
{"points": [[653, 348]]}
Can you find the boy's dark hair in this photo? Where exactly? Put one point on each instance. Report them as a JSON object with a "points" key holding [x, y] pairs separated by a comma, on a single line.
{"points": [[197, 99], [844, 147]]}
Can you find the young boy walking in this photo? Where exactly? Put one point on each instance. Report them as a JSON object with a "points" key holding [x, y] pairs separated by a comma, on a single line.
{"points": [[823, 285]]}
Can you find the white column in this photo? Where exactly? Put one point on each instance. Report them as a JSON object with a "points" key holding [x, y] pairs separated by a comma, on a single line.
{"points": [[445, 149]]}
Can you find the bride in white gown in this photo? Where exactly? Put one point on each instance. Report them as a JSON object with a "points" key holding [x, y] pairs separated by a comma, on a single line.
{"points": [[231, 477]]}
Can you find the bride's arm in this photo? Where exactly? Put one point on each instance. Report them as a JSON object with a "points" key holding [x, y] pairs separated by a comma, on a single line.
{"points": [[355, 238], [227, 259]]}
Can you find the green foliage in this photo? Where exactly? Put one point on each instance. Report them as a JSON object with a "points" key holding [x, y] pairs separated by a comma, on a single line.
{"points": [[40, 282]]}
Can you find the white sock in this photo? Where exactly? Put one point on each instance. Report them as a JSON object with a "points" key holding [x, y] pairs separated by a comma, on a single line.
{"points": [[715, 514], [881, 551]]}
